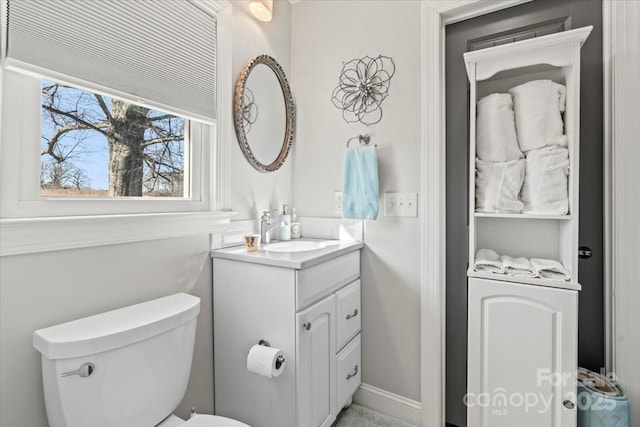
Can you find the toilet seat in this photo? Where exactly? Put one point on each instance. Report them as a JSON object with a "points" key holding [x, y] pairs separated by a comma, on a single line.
{"points": [[212, 421]]}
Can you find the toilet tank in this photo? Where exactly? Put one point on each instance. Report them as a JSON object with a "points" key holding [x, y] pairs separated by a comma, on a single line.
{"points": [[141, 359]]}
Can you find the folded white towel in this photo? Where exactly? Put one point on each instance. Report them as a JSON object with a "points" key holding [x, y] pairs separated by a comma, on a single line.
{"points": [[496, 139], [550, 269], [538, 106], [546, 188], [498, 186], [488, 261], [520, 267]]}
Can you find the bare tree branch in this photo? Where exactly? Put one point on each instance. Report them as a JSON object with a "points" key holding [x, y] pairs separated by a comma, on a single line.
{"points": [[152, 162], [55, 138], [99, 126], [103, 106], [144, 152], [163, 117], [163, 139]]}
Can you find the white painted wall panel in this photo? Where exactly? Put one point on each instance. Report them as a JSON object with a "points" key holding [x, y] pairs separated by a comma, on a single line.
{"points": [[324, 34]]}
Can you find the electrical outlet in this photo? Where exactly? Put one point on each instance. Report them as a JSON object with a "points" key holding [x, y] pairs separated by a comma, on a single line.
{"points": [[337, 202], [401, 204]]}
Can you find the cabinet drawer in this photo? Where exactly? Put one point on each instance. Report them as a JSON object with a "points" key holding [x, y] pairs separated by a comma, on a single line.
{"points": [[349, 371], [316, 282], [348, 313]]}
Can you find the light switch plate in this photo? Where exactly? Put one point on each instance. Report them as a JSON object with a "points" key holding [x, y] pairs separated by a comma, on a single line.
{"points": [[401, 204], [337, 202]]}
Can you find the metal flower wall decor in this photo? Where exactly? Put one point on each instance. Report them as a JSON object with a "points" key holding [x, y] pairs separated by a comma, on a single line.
{"points": [[363, 85], [249, 110]]}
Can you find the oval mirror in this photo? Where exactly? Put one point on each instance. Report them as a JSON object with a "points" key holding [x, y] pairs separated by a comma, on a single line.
{"points": [[263, 113]]}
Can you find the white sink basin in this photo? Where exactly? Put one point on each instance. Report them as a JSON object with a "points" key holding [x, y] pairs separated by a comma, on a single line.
{"points": [[298, 246]]}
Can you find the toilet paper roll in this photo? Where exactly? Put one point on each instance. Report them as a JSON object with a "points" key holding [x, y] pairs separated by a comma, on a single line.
{"points": [[263, 360]]}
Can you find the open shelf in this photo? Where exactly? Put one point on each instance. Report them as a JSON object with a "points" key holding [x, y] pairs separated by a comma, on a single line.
{"points": [[558, 284], [497, 70], [521, 216]]}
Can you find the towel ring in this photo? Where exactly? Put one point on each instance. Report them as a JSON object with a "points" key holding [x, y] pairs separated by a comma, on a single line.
{"points": [[363, 139]]}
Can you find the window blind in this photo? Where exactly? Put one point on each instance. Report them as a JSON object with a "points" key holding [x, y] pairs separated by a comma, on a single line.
{"points": [[159, 53]]}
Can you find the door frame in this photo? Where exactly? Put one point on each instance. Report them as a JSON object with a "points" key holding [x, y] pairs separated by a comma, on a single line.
{"points": [[620, 46], [436, 15]]}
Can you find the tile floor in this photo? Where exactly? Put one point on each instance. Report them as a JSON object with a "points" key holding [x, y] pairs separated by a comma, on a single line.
{"points": [[359, 416]]}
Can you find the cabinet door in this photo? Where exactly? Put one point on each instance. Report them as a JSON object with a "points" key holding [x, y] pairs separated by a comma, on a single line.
{"points": [[522, 357], [316, 364]]}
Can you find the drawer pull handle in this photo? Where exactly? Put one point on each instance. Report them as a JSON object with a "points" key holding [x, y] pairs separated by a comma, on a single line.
{"points": [[352, 315], [306, 325], [355, 372]]}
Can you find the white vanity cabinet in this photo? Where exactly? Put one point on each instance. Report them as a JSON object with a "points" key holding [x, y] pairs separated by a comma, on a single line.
{"points": [[311, 311], [522, 332], [316, 364]]}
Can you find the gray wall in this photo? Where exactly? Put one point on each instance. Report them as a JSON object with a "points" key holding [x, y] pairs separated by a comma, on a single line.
{"points": [[324, 34]]}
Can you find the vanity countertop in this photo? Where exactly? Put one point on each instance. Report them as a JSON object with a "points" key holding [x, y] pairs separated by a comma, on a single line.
{"points": [[327, 249]]}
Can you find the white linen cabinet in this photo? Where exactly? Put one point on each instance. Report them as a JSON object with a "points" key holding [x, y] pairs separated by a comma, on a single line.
{"points": [[522, 332]]}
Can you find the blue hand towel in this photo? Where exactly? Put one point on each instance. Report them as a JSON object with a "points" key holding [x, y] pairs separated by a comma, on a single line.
{"points": [[360, 183]]}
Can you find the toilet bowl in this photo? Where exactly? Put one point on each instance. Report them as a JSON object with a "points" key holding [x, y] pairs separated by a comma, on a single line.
{"points": [[126, 367], [201, 421]]}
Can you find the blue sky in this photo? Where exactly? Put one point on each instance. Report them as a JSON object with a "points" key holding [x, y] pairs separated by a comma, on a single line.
{"points": [[89, 147], [93, 157]]}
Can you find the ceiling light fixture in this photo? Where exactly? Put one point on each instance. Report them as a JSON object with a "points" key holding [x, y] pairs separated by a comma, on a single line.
{"points": [[262, 9]]}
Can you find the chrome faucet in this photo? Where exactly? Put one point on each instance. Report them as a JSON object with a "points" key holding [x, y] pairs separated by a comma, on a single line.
{"points": [[265, 220], [265, 233]]}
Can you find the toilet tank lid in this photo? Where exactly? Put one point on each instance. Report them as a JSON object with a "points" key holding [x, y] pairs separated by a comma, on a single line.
{"points": [[116, 328]]}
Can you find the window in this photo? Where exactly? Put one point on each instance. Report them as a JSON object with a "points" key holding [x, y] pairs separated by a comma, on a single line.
{"points": [[156, 60], [48, 168], [93, 145], [103, 113]]}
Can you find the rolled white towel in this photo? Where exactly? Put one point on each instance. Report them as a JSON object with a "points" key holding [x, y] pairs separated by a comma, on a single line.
{"points": [[488, 261], [538, 106], [550, 269], [496, 139], [519, 267], [546, 187], [498, 186]]}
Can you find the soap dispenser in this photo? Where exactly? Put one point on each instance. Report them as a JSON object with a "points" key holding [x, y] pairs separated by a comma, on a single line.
{"points": [[295, 225], [284, 230]]}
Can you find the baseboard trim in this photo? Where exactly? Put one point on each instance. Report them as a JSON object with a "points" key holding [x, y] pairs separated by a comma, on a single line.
{"points": [[388, 403]]}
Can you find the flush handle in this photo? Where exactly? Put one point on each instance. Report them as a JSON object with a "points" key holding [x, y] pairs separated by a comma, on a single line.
{"points": [[355, 372], [83, 371], [352, 315]]}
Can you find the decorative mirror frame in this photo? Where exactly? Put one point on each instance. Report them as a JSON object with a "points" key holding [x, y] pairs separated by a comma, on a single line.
{"points": [[290, 115]]}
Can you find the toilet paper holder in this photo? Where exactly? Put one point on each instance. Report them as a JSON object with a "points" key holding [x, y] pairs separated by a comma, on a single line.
{"points": [[279, 359]]}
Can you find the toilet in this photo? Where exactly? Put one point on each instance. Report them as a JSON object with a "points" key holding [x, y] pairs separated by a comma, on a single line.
{"points": [[123, 368]]}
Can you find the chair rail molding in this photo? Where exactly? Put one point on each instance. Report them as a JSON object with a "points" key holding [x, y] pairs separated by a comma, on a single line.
{"points": [[33, 235], [435, 16]]}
